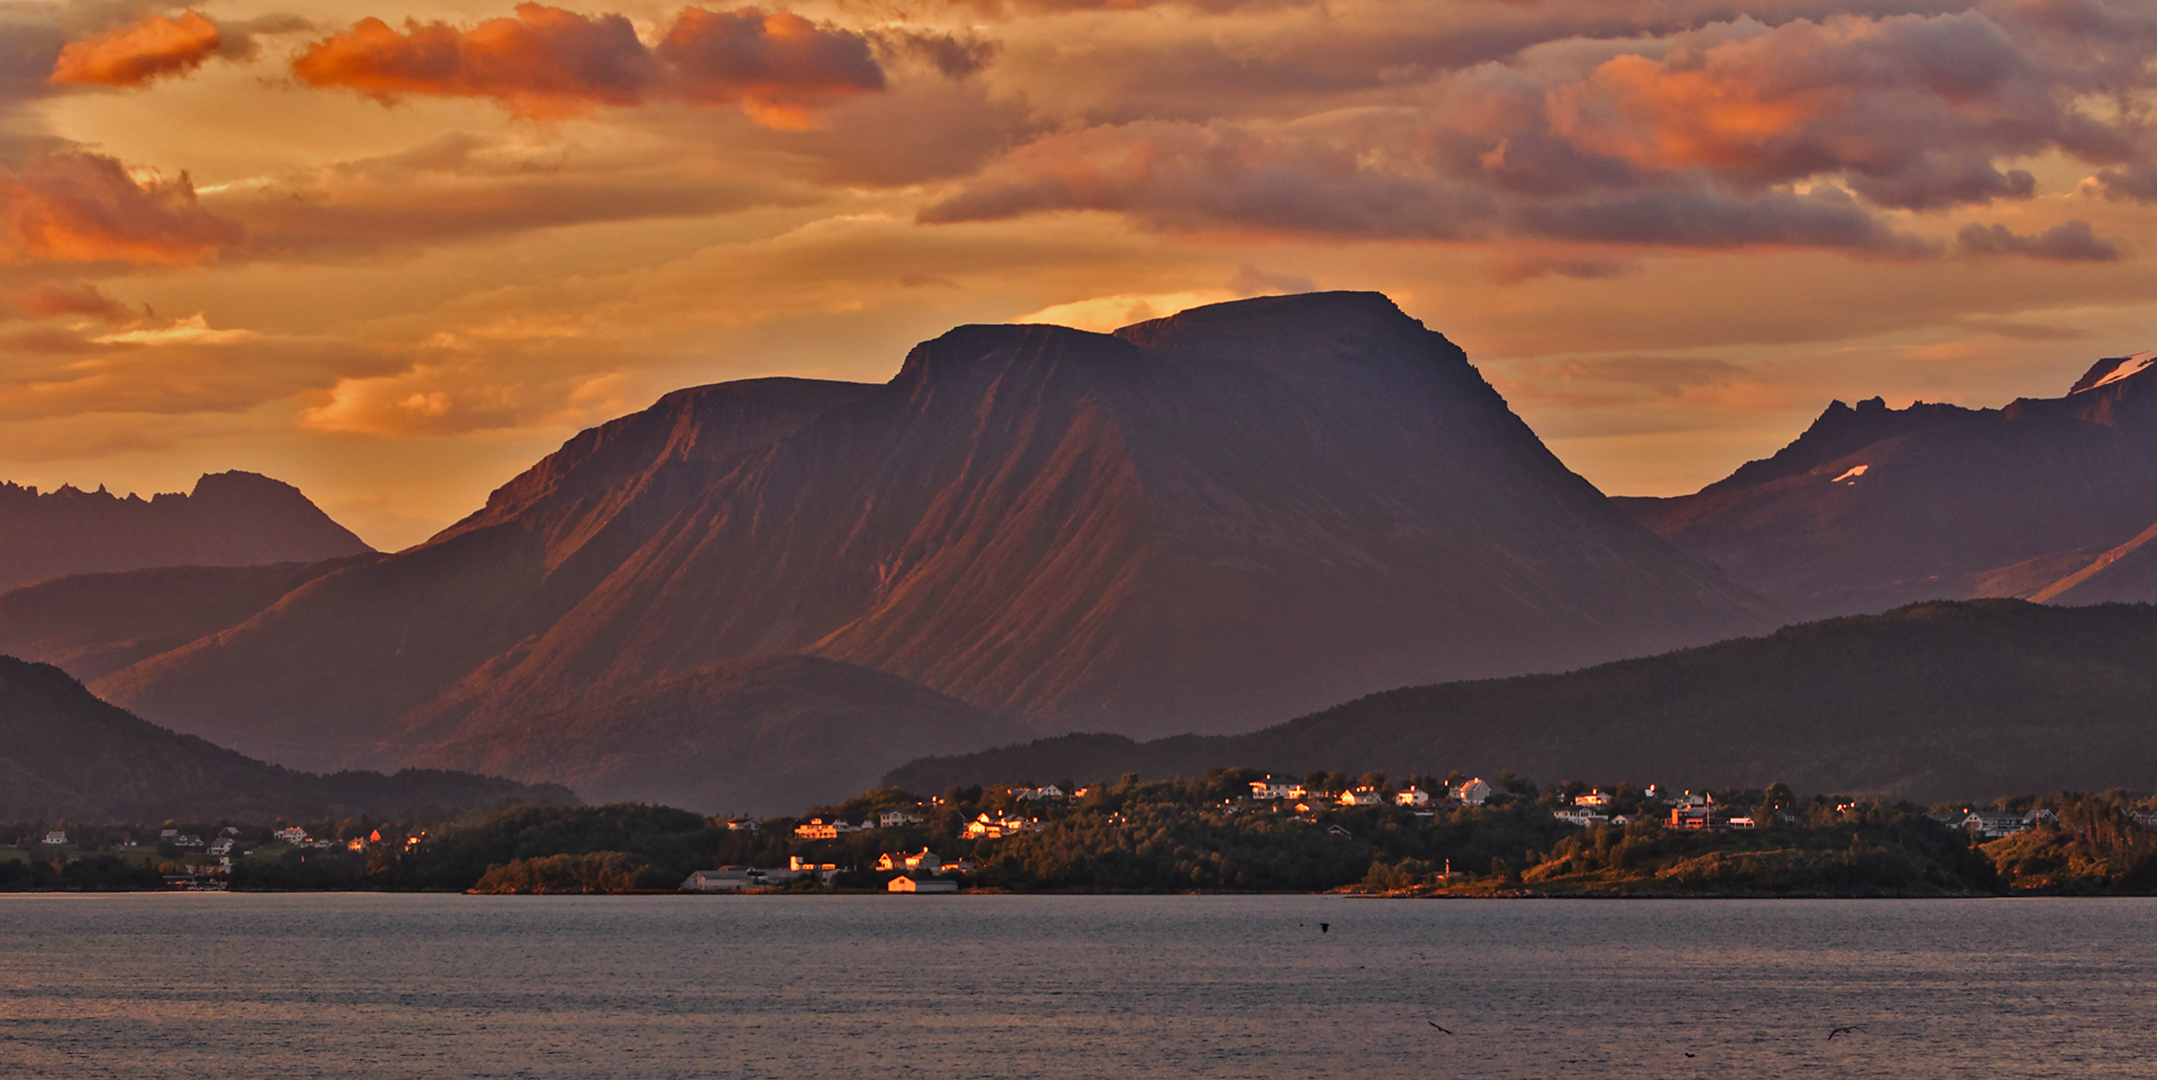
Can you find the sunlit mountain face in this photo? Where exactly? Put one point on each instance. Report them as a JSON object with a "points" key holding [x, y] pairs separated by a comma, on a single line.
{"points": [[1204, 522], [393, 255]]}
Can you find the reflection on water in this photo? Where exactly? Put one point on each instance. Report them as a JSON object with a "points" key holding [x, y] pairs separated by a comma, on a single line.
{"points": [[997, 986]]}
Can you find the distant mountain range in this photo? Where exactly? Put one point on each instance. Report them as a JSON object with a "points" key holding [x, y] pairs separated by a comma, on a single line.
{"points": [[759, 594], [1875, 507], [230, 519], [1934, 701], [66, 754], [1197, 523]]}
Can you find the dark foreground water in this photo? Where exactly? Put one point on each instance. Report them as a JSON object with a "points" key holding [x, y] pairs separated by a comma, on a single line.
{"points": [[996, 986]]}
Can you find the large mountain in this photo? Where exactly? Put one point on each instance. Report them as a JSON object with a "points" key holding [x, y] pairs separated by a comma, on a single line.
{"points": [[1198, 523], [1875, 507], [230, 519], [1935, 701], [65, 754]]}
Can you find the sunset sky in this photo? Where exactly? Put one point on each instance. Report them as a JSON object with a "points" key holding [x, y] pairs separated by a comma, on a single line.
{"points": [[393, 254]]}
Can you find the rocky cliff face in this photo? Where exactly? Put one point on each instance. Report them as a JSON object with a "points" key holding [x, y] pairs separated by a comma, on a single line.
{"points": [[1875, 507], [1205, 522], [230, 519]]}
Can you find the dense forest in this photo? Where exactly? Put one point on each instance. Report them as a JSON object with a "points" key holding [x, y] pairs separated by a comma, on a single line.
{"points": [[1205, 833]]}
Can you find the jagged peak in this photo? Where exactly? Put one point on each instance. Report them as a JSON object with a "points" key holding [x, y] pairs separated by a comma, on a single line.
{"points": [[1841, 430]]}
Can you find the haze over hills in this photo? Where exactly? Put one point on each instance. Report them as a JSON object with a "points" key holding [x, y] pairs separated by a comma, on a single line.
{"points": [[1201, 522], [762, 735], [1875, 507], [230, 519], [66, 754], [91, 624], [1934, 701]]}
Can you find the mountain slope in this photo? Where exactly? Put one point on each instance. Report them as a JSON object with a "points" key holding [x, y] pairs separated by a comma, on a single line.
{"points": [[91, 624], [66, 754], [1933, 701], [1874, 507], [1201, 522], [230, 519], [2127, 573], [762, 735]]}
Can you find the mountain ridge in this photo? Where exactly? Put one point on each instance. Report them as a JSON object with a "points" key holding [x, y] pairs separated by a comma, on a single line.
{"points": [[1941, 503], [229, 519], [64, 753], [1934, 701]]}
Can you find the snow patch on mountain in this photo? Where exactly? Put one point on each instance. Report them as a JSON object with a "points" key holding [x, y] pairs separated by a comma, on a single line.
{"points": [[2131, 366]]}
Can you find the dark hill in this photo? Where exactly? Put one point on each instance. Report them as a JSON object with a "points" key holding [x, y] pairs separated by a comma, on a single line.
{"points": [[66, 754], [1932, 701], [1873, 507], [1206, 521], [231, 519]]}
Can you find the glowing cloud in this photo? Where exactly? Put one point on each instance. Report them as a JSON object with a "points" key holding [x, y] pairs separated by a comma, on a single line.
{"points": [[151, 47], [548, 62], [82, 207]]}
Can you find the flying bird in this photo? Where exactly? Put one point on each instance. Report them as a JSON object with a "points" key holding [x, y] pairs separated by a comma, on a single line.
{"points": [[1325, 928], [1845, 1030], [1689, 1053], [1434, 1024]]}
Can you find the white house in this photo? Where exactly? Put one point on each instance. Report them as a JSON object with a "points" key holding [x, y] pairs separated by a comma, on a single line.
{"points": [[1473, 792], [931, 885], [1994, 824], [56, 838], [1362, 796], [920, 860], [744, 825], [1276, 789], [894, 819], [292, 834], [1597, 799], [724, 879], [1412, 796], [1581, 817]]}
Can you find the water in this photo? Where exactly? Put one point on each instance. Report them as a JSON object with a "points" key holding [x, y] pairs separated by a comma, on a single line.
{"points": [[1002, 986]]}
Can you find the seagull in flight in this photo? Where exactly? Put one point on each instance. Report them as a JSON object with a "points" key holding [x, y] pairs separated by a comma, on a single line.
{"points": [[1434, 1024], [1845, 1030]]}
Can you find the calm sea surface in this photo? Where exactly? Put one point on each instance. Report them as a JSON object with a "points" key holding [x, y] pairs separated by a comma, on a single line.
{"points": [[1002, 986]]}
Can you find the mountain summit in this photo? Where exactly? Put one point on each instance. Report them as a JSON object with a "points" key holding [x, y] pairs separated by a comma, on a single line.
{"points": [[1205, 522], [1873, 507], [231, 519]]}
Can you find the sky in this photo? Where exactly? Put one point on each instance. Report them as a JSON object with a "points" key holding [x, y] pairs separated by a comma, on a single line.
{"points": [[395, 254]]}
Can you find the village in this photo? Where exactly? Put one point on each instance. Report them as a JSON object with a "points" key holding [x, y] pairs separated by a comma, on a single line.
{"points": [[1314, 801]]}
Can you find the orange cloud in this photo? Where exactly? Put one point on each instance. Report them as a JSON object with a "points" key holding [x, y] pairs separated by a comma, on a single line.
{"points": [[1639, 110], [543, 62], [548, 62], [132, 55], [82, 207], [58, 298], [777, 67]]}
